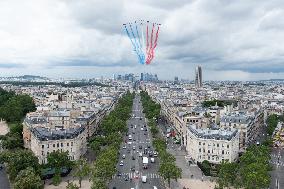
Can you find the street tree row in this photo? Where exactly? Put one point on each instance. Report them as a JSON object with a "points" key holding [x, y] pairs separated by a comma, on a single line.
{"points": [[167, 169]]}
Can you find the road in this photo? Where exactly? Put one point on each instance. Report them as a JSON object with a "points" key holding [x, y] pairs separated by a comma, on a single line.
{"points": [[4, 182], [139, 138], [277, 175]]}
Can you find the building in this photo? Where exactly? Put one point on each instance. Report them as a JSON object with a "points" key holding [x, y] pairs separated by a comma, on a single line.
{"points": [[198, 77], [248, 126], [45, 141], [176, 80], [214, 145]]}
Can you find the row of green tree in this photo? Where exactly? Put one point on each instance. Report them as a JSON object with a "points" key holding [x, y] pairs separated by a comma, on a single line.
{"points": [[150, 108], [251, 172], [107, 144], [272, 121], [168, 170]]}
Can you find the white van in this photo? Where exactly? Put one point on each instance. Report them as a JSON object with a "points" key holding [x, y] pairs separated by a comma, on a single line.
{"points": [[155, 187], [144, 179]]}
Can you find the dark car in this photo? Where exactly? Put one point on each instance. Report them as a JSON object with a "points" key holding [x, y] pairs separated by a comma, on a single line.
{"points": [[133, 158], [118, 174], [140, 147]]}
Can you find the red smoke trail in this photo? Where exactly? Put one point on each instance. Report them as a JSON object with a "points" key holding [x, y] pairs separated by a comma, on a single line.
{"points": [[151, 46]]}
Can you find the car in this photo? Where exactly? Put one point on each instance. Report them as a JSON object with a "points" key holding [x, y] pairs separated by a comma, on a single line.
{"points": [[146, 129], [155, 154], [144, 125], [145, 133], [135, 127], [121, 163], [133, 132], [140, 154], [124, 147], [133, 147], [132, 168], [144, 179], [148, 146], [133, 157], [118, 174], [150, 154], [142, 129], [123, 156], [140, 147], [128, 150], [140, 118], [134, 139]]}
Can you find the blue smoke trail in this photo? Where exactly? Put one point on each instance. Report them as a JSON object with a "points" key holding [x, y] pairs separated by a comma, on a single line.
{"points": [[137, 46], [133, 44], [140, 45]]}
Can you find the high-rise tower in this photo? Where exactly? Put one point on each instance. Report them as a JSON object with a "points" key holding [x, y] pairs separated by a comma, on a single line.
{"points": [[198, 77]]}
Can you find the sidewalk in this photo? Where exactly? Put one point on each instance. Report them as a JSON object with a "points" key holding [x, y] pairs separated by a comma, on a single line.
{"points": [[198, 181]]}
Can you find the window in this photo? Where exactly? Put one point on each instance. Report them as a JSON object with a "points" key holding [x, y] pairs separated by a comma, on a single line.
{"points": [[203, 143], [71, 143], [42, 146], [53, 145], [222, 151], [47, 145], [208, 151], [228, 146], [217, 145], [67, 143], [61, 144], [57, 145], [199, 149], [199, 143]]}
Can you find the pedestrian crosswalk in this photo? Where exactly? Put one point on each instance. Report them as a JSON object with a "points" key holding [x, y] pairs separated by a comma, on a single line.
{"points": [[134, 175], [275, 156], [280, 163]]}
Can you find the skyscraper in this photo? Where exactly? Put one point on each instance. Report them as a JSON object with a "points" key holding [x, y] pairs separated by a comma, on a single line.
{"points": [[198, 77]]}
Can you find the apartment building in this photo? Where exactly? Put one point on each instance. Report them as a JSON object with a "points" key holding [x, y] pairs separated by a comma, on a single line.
{"points": [[71, 140], [214, 145]]}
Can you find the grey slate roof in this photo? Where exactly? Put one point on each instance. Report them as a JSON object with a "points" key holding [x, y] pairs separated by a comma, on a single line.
{"points": [[44, 134], [217, 134]]}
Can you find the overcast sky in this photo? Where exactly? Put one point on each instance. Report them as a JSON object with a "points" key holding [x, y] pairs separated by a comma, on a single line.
{"points": [[231, 40]]}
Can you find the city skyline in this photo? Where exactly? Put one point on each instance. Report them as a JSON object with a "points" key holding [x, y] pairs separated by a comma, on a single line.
{"points": [[86, 39]]}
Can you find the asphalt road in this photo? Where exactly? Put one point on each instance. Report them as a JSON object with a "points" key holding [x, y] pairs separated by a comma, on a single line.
{"points": [[4, 182], [139, 139], [277, 175]]}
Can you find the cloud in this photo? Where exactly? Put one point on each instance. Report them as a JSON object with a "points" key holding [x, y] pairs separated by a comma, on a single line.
{"points": [[223, 36]]}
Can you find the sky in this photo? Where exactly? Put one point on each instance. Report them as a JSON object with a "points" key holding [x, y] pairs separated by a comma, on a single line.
{"points": [[231, 40]]}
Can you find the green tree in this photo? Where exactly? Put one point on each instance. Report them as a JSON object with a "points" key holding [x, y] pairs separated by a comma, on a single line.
{"points": [[228, 174], [170, 171], [81, 170], [71, 185], [19, 160], [58, 160], [99, 184], [28, 179]]}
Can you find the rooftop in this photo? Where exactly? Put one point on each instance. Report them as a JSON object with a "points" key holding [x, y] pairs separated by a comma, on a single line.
{"points": [[44, 134], [217, 134]]}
